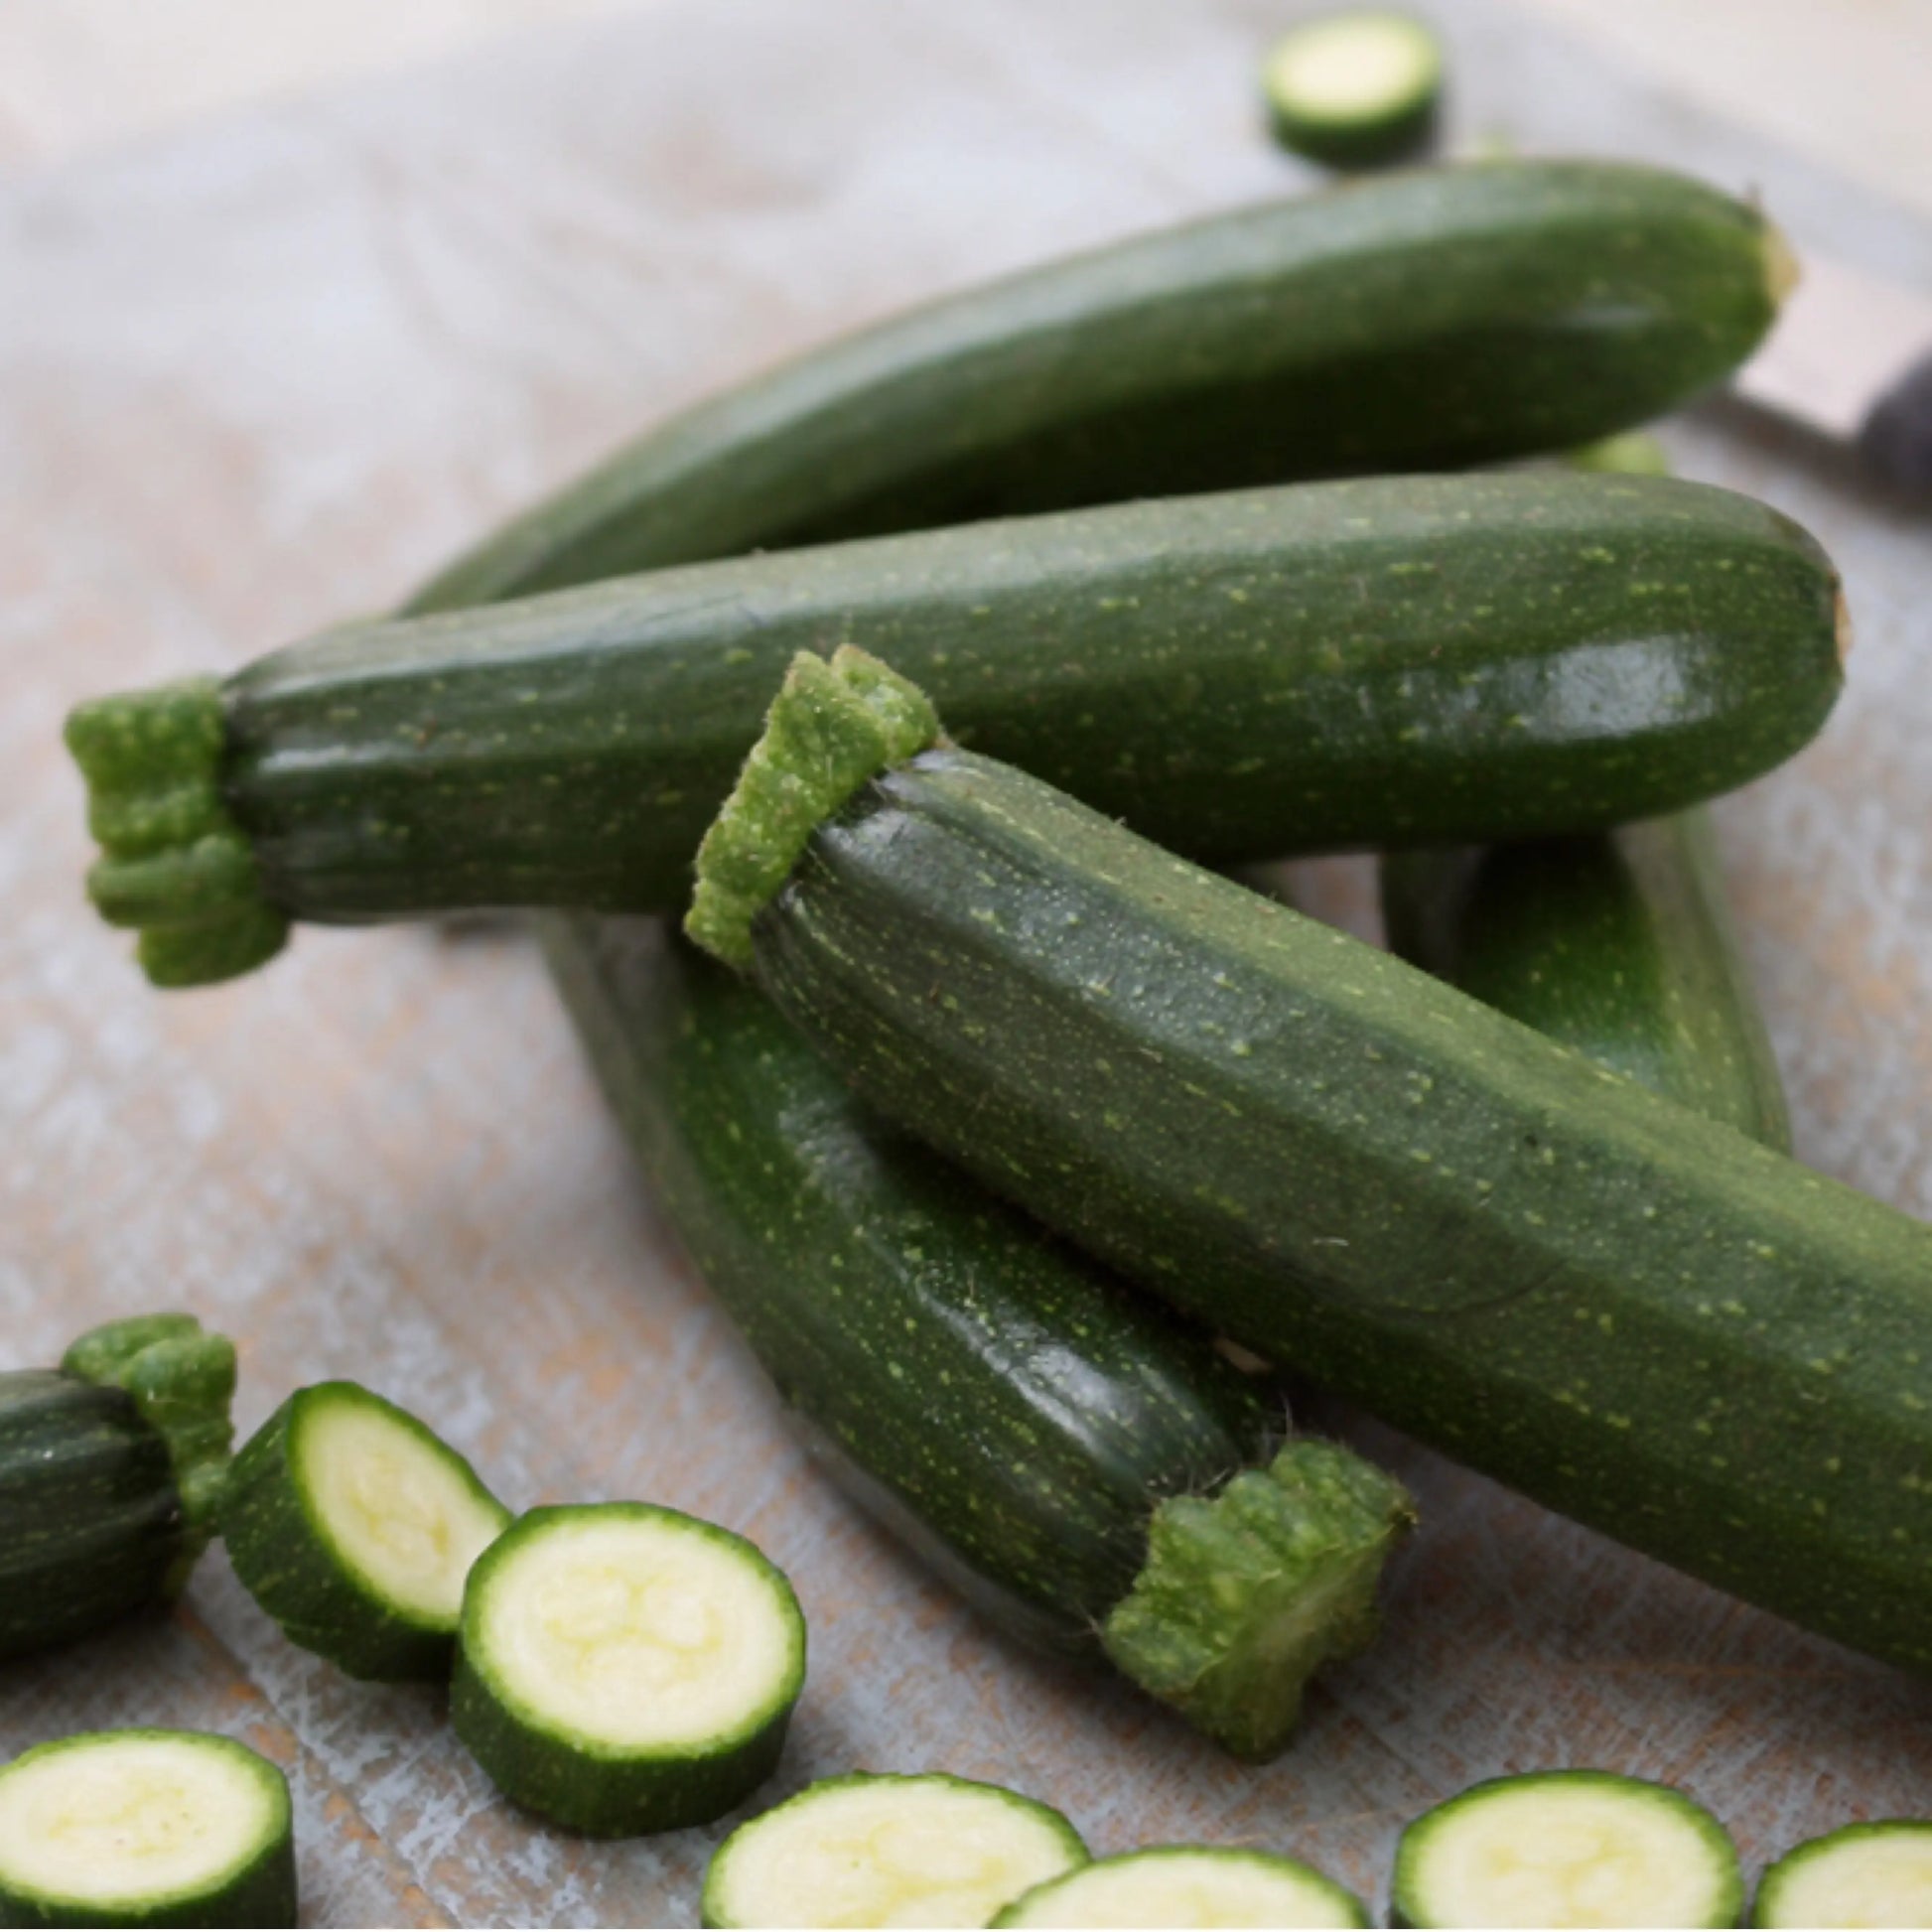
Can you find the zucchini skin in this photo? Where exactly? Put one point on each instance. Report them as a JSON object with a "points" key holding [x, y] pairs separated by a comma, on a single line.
{"points": [[1425, 321], [1637, 1317], [1617, 943], [1371, 662]]}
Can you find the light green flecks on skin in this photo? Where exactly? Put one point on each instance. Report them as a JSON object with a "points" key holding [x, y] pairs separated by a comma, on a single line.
{"points": [[1242, 1598], [834, 725], [175, 864], [182, 1381]]}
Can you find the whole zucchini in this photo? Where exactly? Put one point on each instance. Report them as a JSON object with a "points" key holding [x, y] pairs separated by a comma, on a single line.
{"points": [[110, 1476], [1633, 1314], [1617, 943], [1422, 322], [1045, 1441], [1329, 665]]}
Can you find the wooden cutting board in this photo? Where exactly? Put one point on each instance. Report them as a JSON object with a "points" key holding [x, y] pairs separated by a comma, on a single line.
{"points": [[267, 374]]}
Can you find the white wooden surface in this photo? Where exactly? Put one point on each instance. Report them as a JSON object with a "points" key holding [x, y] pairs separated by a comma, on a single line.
{"points": [[267, 374]]}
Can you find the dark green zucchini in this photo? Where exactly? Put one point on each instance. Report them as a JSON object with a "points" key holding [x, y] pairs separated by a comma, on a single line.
{"points": [[1033, 1431], [1422, 322], [110, 1476], [1636, 1315], [1331, 664], [1617, 943]]}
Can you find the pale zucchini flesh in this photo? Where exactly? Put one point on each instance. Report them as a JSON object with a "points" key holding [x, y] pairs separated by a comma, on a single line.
{"points": [[866, 1850], [1875, 1874], [1354, 89], [1189, 1885]]}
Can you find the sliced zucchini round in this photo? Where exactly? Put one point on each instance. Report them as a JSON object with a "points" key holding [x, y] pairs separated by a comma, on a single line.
{"points": [[1864, 1875], [1355, 89], [888, 1849], [354, 1527], [1188, 1886], [1560, 1848], [626, 1669], [145, 1828]]}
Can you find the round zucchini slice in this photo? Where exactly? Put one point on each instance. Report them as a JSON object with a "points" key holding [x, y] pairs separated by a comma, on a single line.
{"points": [[1189, 1885], [1561, 1849], [887, 1850], [1864, 1875], [354, 1527], [626, 1669], [1355, 89], [145, 1828]]}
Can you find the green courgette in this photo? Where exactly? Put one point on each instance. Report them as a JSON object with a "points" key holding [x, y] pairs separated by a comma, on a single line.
{"points": [[888, 1849], [626, 1669], [1877, 1875], [111, 1469], [1617, 943], [1063, 1454], [1420, 322], [1359, 89], [1374, 662], [1638, 1316], [145, 1828], [1189, 1884], [354, 1527], [1557, 1849]]}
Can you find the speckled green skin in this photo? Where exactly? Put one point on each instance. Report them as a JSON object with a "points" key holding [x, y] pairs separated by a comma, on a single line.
{"points": [[288, 1562], [1636, 1316], [1617, 943], [1001, 1403], [1424, 321], [110, 1471], [1308, 1888], [1769, 1908], [1362, 663]]}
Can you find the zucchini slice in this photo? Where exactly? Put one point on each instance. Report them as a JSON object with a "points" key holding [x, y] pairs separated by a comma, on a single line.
{"points": [[626, 1668], [1561, 1849], [1355, 89], [111, 1473], [354, 1527], [1189, 1885], [145, 1828], [1877, 1875], [888, 1849]]}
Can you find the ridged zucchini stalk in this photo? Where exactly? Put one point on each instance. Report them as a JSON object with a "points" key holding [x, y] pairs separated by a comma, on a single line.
{"points": [[1638, 1316], [1089, 1473]]}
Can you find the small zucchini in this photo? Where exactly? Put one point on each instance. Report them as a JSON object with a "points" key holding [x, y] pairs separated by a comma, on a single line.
{"points": [[354, 1527], [626, 1669], [112, 1469], [1189, 1884], [1567, 1848], [1091, 1475], [1638, 1317], [1862, 1875], [1358, 88], [145, 1828], [888, 1849], [1426, 321]]}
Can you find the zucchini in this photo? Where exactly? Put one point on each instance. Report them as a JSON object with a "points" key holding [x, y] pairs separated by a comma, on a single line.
{"points": [[1862, 1875], [1421, 321], [145, 1828], [1618, 944], [1538, 652], [1355, 89], [1189, 1884], [626, 1669], [354, 1528], [888, 1849], [112, 1469], [1634, 1315], [1044, 1440]]}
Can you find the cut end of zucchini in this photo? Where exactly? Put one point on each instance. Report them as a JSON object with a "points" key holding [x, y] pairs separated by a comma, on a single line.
{"points": [[175, 864], [1568, 1849], [833, 725], [145, 1828], [1783, 270], [1877, 1875], [1634, 453], [1189, 1885], [1355, 89], [1242, 1598], [929, 1849]]}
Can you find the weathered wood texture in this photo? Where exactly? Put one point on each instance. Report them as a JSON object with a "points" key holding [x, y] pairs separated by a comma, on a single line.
{"points": [[269, 373]]}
